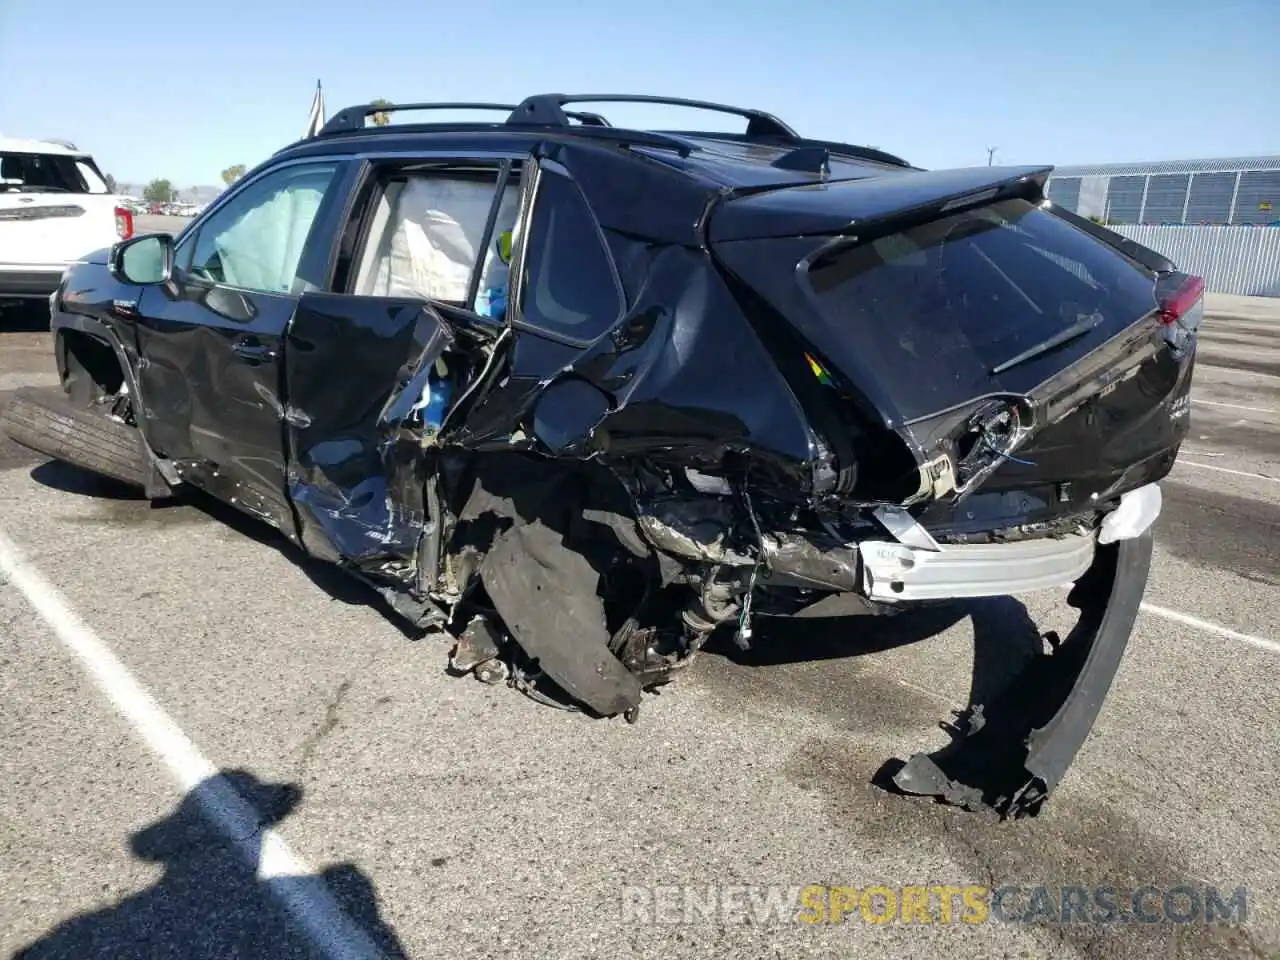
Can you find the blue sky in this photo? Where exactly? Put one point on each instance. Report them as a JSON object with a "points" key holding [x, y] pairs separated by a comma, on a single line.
{"points": [[182, 90]]}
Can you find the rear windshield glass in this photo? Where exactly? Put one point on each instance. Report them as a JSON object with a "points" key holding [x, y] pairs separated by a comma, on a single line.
{"points": [[944, 303], [48, 173]]}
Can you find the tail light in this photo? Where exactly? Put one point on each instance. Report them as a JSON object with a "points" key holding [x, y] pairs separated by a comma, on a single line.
{"points": [[124, 223], [1181, 298]]}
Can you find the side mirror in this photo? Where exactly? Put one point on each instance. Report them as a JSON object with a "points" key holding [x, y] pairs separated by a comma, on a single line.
{"points": [[144, 260]]}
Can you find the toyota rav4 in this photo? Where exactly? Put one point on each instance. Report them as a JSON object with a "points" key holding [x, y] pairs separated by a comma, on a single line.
{"points": [[579, 396]]}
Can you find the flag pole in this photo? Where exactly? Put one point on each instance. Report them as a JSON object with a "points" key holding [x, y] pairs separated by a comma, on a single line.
{"points": [[315, 120]]}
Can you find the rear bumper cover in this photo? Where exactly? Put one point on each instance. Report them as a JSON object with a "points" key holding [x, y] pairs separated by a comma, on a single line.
{"points": [[1009, 754]]}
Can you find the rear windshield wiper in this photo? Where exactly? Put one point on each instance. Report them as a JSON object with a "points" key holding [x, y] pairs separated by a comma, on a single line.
{"points": [[1063, 336]]}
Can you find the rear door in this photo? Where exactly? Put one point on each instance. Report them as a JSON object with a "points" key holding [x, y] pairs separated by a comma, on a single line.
{"points": [[211, 343], [361, 372], [374, 365]]}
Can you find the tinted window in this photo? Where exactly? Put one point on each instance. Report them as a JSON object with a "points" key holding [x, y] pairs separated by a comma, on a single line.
{"points": [[944, 303], [40, 172], [569, 287], [255, 240]]}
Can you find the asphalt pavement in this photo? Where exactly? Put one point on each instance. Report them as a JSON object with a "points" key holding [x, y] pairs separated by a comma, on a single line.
{"points": [[155, 223], [145, 646]]}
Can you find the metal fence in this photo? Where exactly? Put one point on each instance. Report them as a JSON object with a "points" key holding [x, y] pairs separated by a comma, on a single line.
{"points": [[1242, 260], [1223, 192]]}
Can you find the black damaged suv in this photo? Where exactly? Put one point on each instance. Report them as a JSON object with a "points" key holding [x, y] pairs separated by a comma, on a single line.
{"points": [[581, 395]]}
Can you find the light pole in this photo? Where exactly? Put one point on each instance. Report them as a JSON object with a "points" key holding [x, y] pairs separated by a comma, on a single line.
{"points": [[991, 152]]}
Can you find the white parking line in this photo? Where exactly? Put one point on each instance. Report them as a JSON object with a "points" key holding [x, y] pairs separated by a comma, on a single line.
{"points": [[311, 905], [1233, 406], [1184, 462], [1187, 620]]}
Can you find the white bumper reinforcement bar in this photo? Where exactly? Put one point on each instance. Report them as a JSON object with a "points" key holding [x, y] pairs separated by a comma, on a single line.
{"points": [[894, 571], [922, 569]]}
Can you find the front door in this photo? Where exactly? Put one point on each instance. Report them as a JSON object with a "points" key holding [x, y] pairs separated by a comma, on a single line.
{"points": [[211, 342]]}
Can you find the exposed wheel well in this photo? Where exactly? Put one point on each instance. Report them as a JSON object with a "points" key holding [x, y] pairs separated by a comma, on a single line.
{"points": [[88, 367]]}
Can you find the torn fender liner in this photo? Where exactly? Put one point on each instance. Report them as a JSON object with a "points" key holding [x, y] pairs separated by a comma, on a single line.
{"points": [[548, 596], [1014, 751]]}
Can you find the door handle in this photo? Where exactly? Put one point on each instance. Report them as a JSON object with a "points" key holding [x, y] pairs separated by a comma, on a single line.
{"points": [[253, 349]]}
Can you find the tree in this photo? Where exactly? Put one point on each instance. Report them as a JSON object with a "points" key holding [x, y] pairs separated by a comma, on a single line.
{"points": [[381, 119], [111, 184], [232, 173], [159, 191]]}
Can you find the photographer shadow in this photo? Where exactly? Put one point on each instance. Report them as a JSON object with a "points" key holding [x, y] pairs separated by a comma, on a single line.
{"points": [[210, 902]]}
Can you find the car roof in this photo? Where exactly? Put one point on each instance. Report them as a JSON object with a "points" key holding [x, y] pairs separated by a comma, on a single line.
{"points": [[769, 153], [53, 147], [738, 161]]}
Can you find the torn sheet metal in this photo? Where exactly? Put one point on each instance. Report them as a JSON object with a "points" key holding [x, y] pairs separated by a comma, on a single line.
{"points": [[810, 562], [693, 529]]}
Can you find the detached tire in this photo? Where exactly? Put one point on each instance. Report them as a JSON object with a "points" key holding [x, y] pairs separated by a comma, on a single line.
{"points": [[47, 422]]}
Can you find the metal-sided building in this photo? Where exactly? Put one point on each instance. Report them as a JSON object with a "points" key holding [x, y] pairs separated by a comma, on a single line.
{"points": [[1203, 214], [1233, 191]]}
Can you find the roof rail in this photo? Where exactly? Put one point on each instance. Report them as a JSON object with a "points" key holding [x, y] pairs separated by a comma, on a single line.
{"points": [[548, 108], [353, 118]]}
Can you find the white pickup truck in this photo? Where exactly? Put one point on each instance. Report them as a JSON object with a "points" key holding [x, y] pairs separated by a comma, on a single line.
{"points": [[55, 207]]}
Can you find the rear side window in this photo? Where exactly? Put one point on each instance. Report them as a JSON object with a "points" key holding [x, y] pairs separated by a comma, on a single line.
{"points": [[427, 234], [569, 285], [45, 173], [948, 301]]}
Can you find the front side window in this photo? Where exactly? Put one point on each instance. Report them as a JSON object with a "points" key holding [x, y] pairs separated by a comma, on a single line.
{"points": [[255, 240], [569, 285]]}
